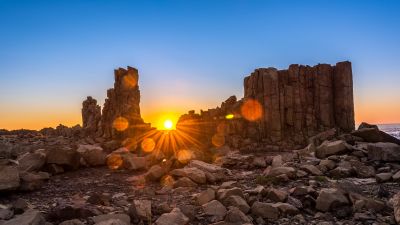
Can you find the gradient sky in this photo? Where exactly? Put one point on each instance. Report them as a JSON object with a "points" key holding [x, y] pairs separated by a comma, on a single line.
{"points": [[190, 54]]}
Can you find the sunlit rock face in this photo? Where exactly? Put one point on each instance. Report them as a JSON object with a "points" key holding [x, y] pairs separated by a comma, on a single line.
{"points": [[121, 112], [91, 116], [281, 107]]}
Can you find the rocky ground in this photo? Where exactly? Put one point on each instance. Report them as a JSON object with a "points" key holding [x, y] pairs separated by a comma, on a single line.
{"points": [[337, 179]]}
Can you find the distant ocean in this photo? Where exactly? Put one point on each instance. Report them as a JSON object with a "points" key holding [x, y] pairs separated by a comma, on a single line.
{"points": [[392, 129]]}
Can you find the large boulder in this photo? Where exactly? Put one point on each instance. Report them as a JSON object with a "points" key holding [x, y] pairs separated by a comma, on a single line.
{"points": [[30, 217], [155, 173], [133, 162], [328, 148], [141, 209], [214, 208], [384, 151], [66, 157], [330, 198], [9, 176], [31, 161], [375, 135], [92, 154], [175, 217]]}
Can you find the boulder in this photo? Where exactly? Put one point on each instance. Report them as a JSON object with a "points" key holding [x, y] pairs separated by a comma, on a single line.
{"points": [[286, 208], [30, 217], [6, 214], [33, 181], [395, 201], [184, 182], [329, 198], [277, 195], [175, 217], [9, 177], [205, 196], [383, 151], [214, 208], [238, 202], [155, 173], [92, 154], [118, 218], [383, 177], [265, 210], [133, 162], [236, 216], [282, 170], [31, 161], [72, 222], [66, 157], [194, 174], [222, 194], [328, 148], [141, 209], [311, 169], [374, 135]]}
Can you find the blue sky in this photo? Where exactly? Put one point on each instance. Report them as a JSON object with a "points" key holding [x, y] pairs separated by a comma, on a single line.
{"points": [[190, 54]]}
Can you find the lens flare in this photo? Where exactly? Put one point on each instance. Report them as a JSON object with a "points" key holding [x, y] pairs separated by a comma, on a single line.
{"points": [[148, 144], [114, 161], [218, 140], [120, 123], [251, 110], [130, 81], [229, 116], [184, 156], [168, 124]]}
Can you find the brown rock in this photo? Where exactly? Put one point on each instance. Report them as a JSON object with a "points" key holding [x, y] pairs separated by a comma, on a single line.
{"points": [[91, 116]]}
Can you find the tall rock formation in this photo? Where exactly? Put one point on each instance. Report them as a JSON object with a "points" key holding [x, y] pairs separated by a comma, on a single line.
{"points": [[121, 111], [91, 116], [120, 117], [282, 107]]}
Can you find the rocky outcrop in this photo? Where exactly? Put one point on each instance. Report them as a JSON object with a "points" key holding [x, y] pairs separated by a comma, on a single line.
{"points": [[120, 117], [283, 107], [91, 116]]}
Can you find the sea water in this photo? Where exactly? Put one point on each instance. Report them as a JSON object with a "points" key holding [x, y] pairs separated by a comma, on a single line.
{"points": [[392, 129]]}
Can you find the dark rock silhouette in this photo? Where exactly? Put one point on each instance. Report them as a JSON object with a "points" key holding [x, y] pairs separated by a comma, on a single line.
{"points": [[91, 116]]}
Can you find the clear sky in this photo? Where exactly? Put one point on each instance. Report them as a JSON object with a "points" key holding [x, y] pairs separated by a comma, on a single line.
{"points": [[190, 54]]}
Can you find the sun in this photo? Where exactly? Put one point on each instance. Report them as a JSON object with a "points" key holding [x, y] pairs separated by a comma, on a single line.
{"points": [[168, 124]]}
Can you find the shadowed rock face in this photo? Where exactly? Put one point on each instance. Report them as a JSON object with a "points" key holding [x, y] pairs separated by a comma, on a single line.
{"points": [[283, 107]]}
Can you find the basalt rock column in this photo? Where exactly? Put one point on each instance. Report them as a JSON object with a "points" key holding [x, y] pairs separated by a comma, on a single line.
{"points": [[121, 112], [302, 101], [91, 116]]}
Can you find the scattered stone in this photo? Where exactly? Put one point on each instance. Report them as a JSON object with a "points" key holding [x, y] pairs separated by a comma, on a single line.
{"points": [[6, 214], [31, 161], [214, 208], [93, 155], [388, 152], [33, 181], [141, 209], [205, 196], [175, 217], [238, 202], [30, 217], [65, 157], [114, 217], [222, 194], [277, 195], [282, 170], [236, 216], [184, 182], [374, 135], [72, 222], [194, 174], [155, 173], [330, 197], [9, 177], [265, 210], [132, 162], [259, 162], [383, 177], [328, 148], [311, 169], [286, 208]]}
